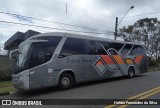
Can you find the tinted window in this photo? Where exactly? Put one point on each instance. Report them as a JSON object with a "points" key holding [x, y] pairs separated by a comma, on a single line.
{"points": [[101, 51], [116, 46], [137, 50], [37, 56], [73, 46], [91, 47], [42, 52], [113, 52], [126, 49], [94, 47], [107, 45]]}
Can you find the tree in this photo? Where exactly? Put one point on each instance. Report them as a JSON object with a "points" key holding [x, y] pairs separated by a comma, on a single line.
{"points": [[146, 31], [2, 51]]}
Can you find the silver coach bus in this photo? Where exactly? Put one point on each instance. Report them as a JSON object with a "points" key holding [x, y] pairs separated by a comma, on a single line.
{"points": [[64, 59]]}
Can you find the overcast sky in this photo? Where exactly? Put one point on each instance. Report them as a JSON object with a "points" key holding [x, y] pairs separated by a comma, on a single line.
{"points": [[98, 14]]}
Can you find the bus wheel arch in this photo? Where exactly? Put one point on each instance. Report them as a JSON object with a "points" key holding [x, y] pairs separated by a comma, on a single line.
{"points": [[131, 71], [66, 80]]}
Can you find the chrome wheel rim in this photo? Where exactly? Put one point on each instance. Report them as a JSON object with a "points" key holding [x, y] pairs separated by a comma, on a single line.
{"points": [[65, 81]]}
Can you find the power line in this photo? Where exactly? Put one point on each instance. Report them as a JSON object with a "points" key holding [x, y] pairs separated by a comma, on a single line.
{"points": [[48, 27], [49, 21], [73, 10], [42, 31], [70, 7], [93, 20], [68, 11], [11, 28], [143, 14]]}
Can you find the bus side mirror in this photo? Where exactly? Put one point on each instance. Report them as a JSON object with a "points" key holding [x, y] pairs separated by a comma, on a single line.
{"points": [[12, 54]]}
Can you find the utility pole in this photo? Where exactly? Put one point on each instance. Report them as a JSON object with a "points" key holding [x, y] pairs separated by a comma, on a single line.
{"points": [[66, 8], [116, 26]]}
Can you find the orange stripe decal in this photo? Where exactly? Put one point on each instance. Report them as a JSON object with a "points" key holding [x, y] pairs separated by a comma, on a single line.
{"points": [[99, 63], [138, 59], [129, 61], [118, 59], [107, 59]]}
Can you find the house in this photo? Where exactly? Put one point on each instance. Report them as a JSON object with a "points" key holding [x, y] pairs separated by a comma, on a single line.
{"points": [[13, 42]]}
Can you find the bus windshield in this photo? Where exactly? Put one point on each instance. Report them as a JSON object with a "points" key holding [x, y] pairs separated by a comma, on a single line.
{"points": [[36, 52], [21, 58]]}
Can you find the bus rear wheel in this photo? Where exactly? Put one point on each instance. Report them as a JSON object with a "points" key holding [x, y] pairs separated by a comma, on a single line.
{"points": [[66, 81], [131, 72]]}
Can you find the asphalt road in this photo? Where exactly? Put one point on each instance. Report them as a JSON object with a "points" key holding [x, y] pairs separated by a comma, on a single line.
{"points": [[117, 88]]}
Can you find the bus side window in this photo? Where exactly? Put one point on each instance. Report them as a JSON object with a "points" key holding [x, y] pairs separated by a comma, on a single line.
{"points": [[140, 50], [113, 52], [49, 50], [41, 56], [117, 46], [37, 55], [126, 50], [94, 48], [101, 51], [42, 52], [108, 45], [90, 47], [137, 50], [133, 52], [73, 46]]}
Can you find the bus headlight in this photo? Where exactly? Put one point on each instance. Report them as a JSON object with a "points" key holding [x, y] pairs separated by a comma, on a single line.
{"points": [[25, 75]]}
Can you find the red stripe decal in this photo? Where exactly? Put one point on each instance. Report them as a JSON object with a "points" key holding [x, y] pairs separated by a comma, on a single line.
{"points": [[107, 59], [138, 59]]}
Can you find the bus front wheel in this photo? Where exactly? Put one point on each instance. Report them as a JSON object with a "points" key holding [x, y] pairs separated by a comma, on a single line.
{"points": [[65, 81], [131, 72]]}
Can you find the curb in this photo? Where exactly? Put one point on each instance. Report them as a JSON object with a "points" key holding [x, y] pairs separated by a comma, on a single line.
{"points": [[6, 93], [12, 92], [154, 70]]}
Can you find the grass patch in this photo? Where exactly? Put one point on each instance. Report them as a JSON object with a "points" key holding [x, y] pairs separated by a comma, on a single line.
{"points": [[7, 89], [6, 86], [153, 68]]}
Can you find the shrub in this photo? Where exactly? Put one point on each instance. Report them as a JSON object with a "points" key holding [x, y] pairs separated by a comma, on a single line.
{"points": [[152, 62]]}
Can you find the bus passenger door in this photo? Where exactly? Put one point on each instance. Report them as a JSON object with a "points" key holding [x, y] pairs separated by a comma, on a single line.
{"points": [[37, 77], [38, 56]]}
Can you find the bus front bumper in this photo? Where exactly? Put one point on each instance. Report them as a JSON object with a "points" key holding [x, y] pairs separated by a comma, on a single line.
{"points": [[21, 80]]}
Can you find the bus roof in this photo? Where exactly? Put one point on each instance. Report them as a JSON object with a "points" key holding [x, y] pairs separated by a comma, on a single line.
{"points": [[81, 36]]}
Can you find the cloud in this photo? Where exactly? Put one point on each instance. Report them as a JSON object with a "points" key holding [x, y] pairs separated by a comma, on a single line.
{"points": [[99, 14], [23, 19]]}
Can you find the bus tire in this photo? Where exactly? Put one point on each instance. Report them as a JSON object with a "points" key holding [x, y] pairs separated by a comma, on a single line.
{"points": [[66, 81], [131, 72]]}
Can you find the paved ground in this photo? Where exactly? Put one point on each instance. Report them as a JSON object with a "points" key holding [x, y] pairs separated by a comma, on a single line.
{"points": [[118, 88]]}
